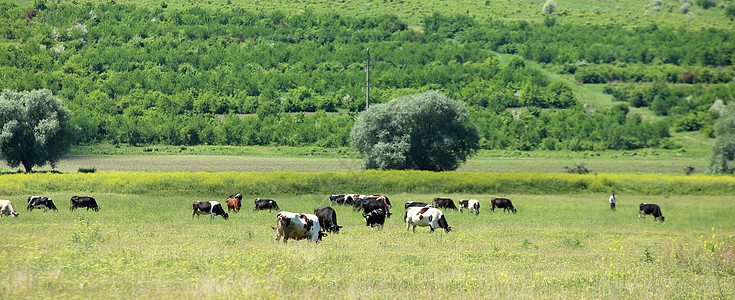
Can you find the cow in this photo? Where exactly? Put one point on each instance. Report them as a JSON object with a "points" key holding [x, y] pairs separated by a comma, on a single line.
{"points": [[379, 197], [328, 219], [88, 202], [444, 203], [39, 202], [336, 199], [472, 205], [234, 202], [213, 208], [298, 226], [426, 216], [650, 209], [416, 204], [7, 209], [263, 204], [503, 203], [375, 217], [370, 204]]}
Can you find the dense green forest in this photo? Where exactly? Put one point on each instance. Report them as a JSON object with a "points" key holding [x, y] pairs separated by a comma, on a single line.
{"points": [[141, 75]]}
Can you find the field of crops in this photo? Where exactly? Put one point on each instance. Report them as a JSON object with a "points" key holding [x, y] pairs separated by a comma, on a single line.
{"points": [[556, 246]]}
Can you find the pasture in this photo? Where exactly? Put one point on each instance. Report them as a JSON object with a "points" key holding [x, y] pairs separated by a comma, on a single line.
{"points": [[556, 246]]}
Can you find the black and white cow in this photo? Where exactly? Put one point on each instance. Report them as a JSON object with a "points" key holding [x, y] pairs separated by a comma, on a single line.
{"points": [[7, 209], [416, 204], [472, 205], [370, 204], [337, 199], [426, 216], [375, 218], [327, 218], [503, 203], [298, 226], [213, 208], [263, 204], [444, 203], [650, 209], [88, 202], [39, 202]]}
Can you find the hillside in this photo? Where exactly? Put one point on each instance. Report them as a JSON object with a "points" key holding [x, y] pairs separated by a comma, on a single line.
{"points": [[144, 73]]}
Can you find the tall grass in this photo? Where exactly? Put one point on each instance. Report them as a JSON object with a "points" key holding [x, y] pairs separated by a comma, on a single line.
{"points": [[295, 183]]}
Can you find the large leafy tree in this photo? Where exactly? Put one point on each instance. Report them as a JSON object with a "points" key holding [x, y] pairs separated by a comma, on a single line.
{"points": [[35, 128], [723, 152], [427, 131]]}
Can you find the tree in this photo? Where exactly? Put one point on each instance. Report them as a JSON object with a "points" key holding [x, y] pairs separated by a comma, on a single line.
{"points": [[427, 131], [723, 152], [35, 128]]}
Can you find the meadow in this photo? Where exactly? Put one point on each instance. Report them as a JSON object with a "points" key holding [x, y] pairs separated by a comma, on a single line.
{"points": [[556, 246]]}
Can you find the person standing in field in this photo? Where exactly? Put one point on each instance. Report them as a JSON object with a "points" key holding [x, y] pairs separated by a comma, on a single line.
{"points": [[612, 201]]}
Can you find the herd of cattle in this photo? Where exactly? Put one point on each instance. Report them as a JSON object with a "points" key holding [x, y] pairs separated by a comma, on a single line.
{"points": [[375, 209]]}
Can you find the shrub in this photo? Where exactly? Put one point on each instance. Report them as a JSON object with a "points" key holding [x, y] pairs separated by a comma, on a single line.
{"points": [[579, 168], [549, 7]]}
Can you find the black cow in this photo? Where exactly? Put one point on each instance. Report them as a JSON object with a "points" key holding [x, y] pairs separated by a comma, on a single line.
{"points": [[375, 217], [444, 203], [327, 219], [208, 207], [371, 204], [41, 202], [503, 203], [650, 209], [263, 204], [88, 202], [337, 199], [416, 204]]}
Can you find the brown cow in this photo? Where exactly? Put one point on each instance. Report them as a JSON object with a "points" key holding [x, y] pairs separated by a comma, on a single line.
{"points": [[234, 202]]}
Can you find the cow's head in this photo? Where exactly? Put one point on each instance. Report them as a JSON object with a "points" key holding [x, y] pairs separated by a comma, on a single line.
{"points": [[662, 218], [51, 204], [444, 225]]}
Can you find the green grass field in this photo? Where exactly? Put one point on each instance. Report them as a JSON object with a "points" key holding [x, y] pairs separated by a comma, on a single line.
{"points": [[560, 246]]}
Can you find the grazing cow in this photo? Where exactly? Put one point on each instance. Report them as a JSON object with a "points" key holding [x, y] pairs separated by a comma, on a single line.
{"points": [[234, 202], [416, 204], [263, 204], [503, 203], [328, 219], [650, 209], [336, 199], [39, 202], [88, 202], [379, 197], [375, 217], [444, 203], [472, 205], [7, 209], [208, 207], [426, 216], [298, 226], [370, 204]]}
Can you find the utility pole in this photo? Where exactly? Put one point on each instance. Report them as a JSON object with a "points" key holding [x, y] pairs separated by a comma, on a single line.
{"points": [[367, 80]]}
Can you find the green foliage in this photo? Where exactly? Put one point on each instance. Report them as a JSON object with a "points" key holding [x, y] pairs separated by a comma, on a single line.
{"points": [[549, 7], [36, 129], [579, 168], [722, 159], [427, 131]]}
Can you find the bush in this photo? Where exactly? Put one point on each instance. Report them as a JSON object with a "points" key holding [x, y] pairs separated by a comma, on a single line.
{"points": [[579, 168], [549, 7]]}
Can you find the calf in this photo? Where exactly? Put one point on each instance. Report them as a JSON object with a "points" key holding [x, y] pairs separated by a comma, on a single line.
{"points": [[213, 208], [444, 203], [7, 209], [298, 226], [39, 202], [88, 202], [375, 217], [503, 203], [416, 204], [650, 209], [263, 204], [472, 205], [426, 216], [328, 219], [234, 202]]}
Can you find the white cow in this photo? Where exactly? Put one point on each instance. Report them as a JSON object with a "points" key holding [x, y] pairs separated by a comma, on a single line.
{"points": [[6, 208], [426, 216], [298, 226], [472, 205]]}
